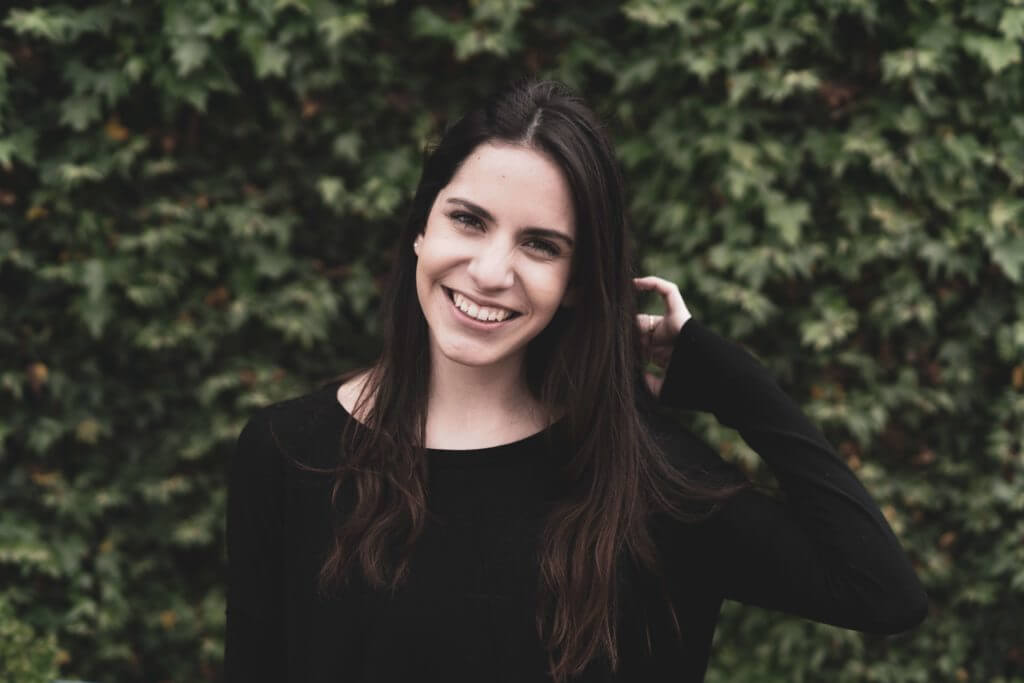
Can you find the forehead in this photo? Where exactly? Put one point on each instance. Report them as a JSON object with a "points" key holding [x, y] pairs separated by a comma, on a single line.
{"points": [[517, 185]]}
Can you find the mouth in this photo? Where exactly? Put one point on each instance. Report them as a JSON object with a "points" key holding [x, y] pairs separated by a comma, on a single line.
{"points": [[451, 297]]}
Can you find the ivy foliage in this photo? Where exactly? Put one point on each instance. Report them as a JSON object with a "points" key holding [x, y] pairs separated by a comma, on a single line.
{"points": [[24, 657], [199, 198]]}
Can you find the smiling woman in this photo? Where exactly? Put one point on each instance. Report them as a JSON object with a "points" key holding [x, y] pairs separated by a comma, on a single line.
{"points": [[500, 496], [481, 243]]}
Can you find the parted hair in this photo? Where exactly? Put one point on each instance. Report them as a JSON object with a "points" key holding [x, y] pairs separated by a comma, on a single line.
{"points": [[585, 365]]}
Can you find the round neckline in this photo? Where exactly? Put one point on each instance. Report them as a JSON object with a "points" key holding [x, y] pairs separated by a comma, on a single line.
{"points": [[509, 451]]}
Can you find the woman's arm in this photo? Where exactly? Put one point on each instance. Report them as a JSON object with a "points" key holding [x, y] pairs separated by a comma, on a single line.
{"points": [[254, 644], [825, 551]]}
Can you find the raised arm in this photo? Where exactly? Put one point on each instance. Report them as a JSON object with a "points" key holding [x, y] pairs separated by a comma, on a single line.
{"points": [[254, 648], [825, 551]]}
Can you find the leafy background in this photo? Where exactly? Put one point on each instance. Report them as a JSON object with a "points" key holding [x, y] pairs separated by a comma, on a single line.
{"points": [[198, 201]]}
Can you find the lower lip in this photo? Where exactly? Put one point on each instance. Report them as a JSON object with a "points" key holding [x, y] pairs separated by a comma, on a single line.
{"points": [[468, 321]]}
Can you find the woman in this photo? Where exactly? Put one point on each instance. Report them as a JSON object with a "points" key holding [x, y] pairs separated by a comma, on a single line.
{"points": [[498, 497]]}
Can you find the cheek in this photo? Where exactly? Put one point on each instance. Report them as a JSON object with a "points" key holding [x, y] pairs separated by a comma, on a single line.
{"points": [[441, 245], [550, 285], [431, 256]]}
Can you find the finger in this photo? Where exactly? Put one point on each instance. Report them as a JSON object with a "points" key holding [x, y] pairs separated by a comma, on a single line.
{"points": [[652, 281], [647, 322], [675, 308], [661, 285]]}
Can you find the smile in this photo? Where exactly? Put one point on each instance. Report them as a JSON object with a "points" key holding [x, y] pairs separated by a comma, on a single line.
{"points": [[485, 316]]}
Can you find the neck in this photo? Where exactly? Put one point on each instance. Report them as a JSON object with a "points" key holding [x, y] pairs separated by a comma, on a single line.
{"points": [[471, 395]]}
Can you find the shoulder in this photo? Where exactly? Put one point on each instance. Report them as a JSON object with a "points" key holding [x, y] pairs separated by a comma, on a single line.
{"points": [[349, 392], [292, 430], [690, 454]]}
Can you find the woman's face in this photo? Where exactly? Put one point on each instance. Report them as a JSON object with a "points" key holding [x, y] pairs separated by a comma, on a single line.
{"points": [[498, 245]]}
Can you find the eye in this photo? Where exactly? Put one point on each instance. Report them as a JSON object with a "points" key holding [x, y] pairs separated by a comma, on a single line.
{"points": [[466, 219], [544, 246]]}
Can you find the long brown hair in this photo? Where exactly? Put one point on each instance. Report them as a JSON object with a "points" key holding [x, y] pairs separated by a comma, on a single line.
{"points": [[586, 362]]}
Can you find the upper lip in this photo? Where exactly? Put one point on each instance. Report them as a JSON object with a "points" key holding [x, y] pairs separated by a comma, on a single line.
{"points": [[483, 302]]}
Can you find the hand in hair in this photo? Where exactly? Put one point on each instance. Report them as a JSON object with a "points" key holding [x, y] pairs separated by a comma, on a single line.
{"points": [[658, 332]]}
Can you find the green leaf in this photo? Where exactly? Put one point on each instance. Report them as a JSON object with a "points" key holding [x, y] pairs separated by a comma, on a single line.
{"points": [[834, 320], [79, 112], [347, 146], [903, 64], [894, 219], [45, 432], [74, 174], [189, 54], [996, 54], [331, 189], [636, 75], [94, 308], [339, 27], [655, 14], [271, 60], [40, 22], [786, 217], [1002, 214], [1011, 25], [20, 145], [701, 65], [428, 24], [1008, 254]]}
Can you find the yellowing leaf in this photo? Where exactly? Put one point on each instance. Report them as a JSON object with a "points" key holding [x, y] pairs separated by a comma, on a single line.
{"points": [[38, 373], [168, 618], [115, 131], [45, 478], [88, 431]]}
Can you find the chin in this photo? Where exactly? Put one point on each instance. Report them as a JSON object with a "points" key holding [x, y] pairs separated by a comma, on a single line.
{"points": [[478, 358]]}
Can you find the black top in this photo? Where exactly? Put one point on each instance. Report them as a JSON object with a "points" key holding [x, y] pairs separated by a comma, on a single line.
{"points": [[823, 550]]}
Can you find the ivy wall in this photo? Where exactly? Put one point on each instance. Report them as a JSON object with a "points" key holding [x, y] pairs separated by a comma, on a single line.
{"points": [[199, 199]]}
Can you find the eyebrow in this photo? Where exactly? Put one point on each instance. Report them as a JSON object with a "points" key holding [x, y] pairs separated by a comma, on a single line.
{"points": [[531, 231]]}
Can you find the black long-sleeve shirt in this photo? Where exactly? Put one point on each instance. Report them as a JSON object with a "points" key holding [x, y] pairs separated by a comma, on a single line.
{"points": [[822, 550]]}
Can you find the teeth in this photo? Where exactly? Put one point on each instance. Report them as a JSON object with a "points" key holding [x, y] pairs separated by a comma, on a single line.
{"points": [[479, 312]]}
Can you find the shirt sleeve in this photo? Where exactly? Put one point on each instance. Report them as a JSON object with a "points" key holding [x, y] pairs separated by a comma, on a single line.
{"points": [[254, 646], [823, 550]]}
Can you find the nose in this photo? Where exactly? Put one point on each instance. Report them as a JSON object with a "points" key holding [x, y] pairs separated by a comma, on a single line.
{"points": [[491, 267]]}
